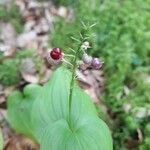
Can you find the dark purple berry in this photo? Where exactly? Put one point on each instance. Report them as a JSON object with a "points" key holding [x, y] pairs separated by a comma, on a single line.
{"points": [[87, 59], [96, 63]]}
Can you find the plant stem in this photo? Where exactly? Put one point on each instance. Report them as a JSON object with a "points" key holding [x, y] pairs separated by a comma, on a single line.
{"points": [[72, 81]]}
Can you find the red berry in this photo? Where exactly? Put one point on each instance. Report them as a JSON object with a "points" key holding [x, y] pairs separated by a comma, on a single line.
{"points": [[57, 50], [56, 53]]}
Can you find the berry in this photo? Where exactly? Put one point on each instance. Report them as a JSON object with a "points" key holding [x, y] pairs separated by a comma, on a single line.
{"points": [[57, 50], [55, 56], [96, 63], [87, 59], [56, 53]]}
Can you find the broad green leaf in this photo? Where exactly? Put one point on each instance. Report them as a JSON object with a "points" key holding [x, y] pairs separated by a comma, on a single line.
{"points": [[85, 132], [19, 109], [54, 101], [89, 134], [44, 112], [1, 140]]}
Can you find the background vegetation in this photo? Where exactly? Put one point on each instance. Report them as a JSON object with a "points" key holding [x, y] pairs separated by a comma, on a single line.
{"points": [[121, 39]]}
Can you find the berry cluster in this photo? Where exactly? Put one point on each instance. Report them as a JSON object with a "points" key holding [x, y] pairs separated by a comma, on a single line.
{"points": [[95, 63], [55, 57]]}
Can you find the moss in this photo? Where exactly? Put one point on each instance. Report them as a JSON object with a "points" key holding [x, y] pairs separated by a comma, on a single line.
{"points": [[9, 72], [9, 68]]}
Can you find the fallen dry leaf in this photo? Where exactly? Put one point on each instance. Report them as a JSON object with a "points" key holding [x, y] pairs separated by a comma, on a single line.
{"points": [[28, 71], [18, 142]]}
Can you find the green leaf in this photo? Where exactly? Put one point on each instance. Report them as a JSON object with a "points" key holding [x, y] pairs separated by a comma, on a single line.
{"points": [[89, 133], [85, 132], [19, 109], [46, 116], [1, 140], [54, 101]]}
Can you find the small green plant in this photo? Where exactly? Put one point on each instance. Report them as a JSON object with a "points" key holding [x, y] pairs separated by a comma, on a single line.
{"points": [[59, 115], [9, 67], [9, 73]]}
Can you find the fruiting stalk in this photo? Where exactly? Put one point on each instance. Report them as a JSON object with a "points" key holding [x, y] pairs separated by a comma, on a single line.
{"points": [[73, 80]]}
